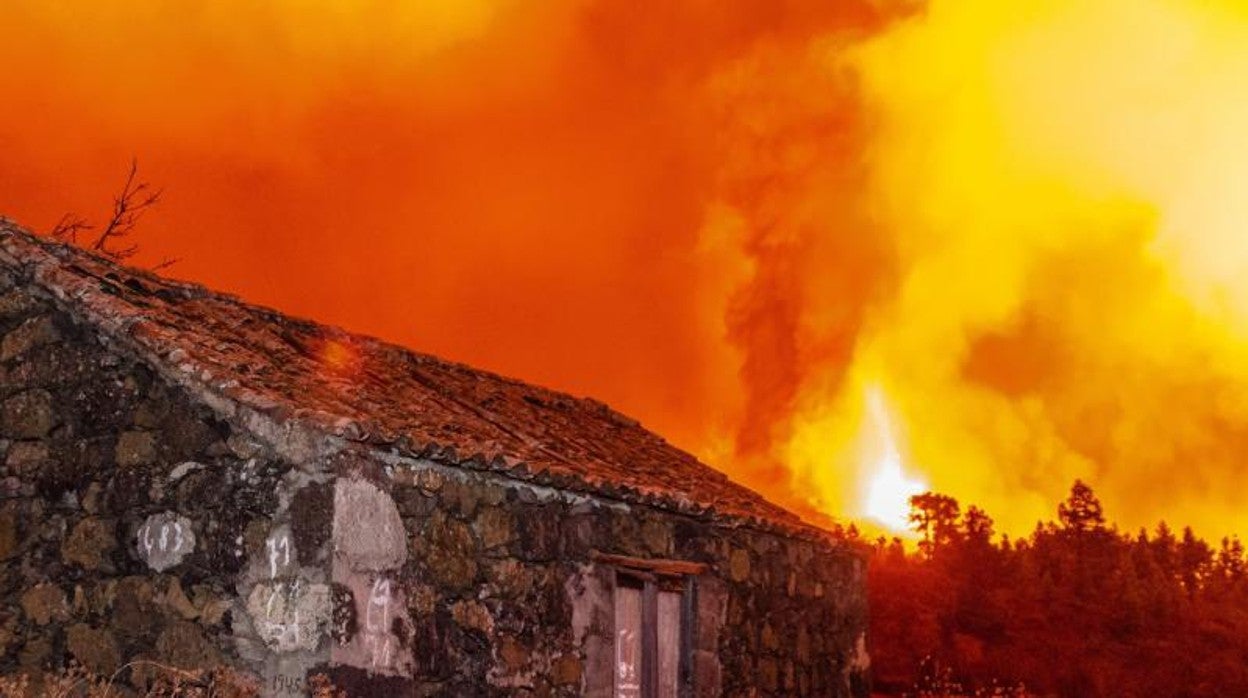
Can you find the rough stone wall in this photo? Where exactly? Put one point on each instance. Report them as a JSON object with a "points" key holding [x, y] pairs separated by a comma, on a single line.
{"points": [[126, 512], [503, 596], [136, 525]]}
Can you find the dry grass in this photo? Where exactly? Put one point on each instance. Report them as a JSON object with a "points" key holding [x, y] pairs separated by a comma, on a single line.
{"points": [[161, 681]]}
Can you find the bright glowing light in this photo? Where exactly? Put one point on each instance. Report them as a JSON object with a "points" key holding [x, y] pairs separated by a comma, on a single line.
{"points": [[889, 490], [339, 357]]}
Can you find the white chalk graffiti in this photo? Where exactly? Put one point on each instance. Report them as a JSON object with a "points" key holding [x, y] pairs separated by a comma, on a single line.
{"points": [[162, 543], [377, 617], [380, 649], [164, 540], [279, 551], [283, 627], [377, 637], [290, 616]]}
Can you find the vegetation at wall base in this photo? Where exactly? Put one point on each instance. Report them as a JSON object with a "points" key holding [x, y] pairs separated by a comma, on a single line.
{"points": [[149, 680]]}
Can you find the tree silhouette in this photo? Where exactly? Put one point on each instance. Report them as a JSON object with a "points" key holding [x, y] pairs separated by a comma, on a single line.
{"points": [[1081, 512], [977, 525], [936, 517], [1195, 561], [1230, 563], [1075, 609]]}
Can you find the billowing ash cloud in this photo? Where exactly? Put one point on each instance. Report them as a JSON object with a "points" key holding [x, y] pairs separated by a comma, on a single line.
{"points": [[734, 220]]}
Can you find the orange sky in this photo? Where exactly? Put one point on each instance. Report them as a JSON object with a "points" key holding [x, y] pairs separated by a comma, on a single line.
{"points": [[734, 220]]}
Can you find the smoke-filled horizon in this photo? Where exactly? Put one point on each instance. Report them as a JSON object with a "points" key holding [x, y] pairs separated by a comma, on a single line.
{"points": [[1016, 225]]}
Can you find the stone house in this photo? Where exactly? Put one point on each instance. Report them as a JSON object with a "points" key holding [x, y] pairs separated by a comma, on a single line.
{"points": [[195, 480]]}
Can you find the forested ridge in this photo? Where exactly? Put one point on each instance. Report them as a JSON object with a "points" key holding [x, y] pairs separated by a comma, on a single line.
{"points": [[1078, 608]]}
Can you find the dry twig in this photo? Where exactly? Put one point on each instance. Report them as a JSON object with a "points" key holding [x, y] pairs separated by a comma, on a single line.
{"points": [[69, 226], [129, 205]]}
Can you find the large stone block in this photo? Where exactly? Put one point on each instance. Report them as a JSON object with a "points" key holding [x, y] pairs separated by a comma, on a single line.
{"points": [[185, 646], [312, 519], [450, 552], [368, 533], [494, 526], [90, 543], [27, 415], [95, 648], [739, 565], [44, 603], [135, 448], [131, 607], [291, 615], [27, 459], [33, 333]]}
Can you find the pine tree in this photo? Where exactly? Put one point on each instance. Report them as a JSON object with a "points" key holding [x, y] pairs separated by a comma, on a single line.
{"points": [[936, 517], [1081, 512]]}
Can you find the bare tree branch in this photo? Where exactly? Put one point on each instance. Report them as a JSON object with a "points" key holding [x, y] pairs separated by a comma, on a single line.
{"points": [[135, 198], [129, 205], [68, 227], [166, 263]]}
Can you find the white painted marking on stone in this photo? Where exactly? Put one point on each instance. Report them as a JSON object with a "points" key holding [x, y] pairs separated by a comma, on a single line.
{"points": [[268, 607], [279, 550], [376, 637], [379, 598], [290, 616], [164, 540]]}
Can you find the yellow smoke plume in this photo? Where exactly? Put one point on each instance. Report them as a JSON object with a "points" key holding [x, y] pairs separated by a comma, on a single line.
{"points": [[1062, 184]]}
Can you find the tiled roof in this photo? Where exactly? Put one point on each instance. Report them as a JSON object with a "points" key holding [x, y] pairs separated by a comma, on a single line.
{"points": [[372, 392]]}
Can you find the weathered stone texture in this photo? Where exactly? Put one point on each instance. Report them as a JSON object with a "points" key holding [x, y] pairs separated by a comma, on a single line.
{"points": [[96, 649], [367, 532], [291, 616], [27, 415], [44, 603], [89, 444], [492, 593], [135, 448], [36, 331], [90, 543]]}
